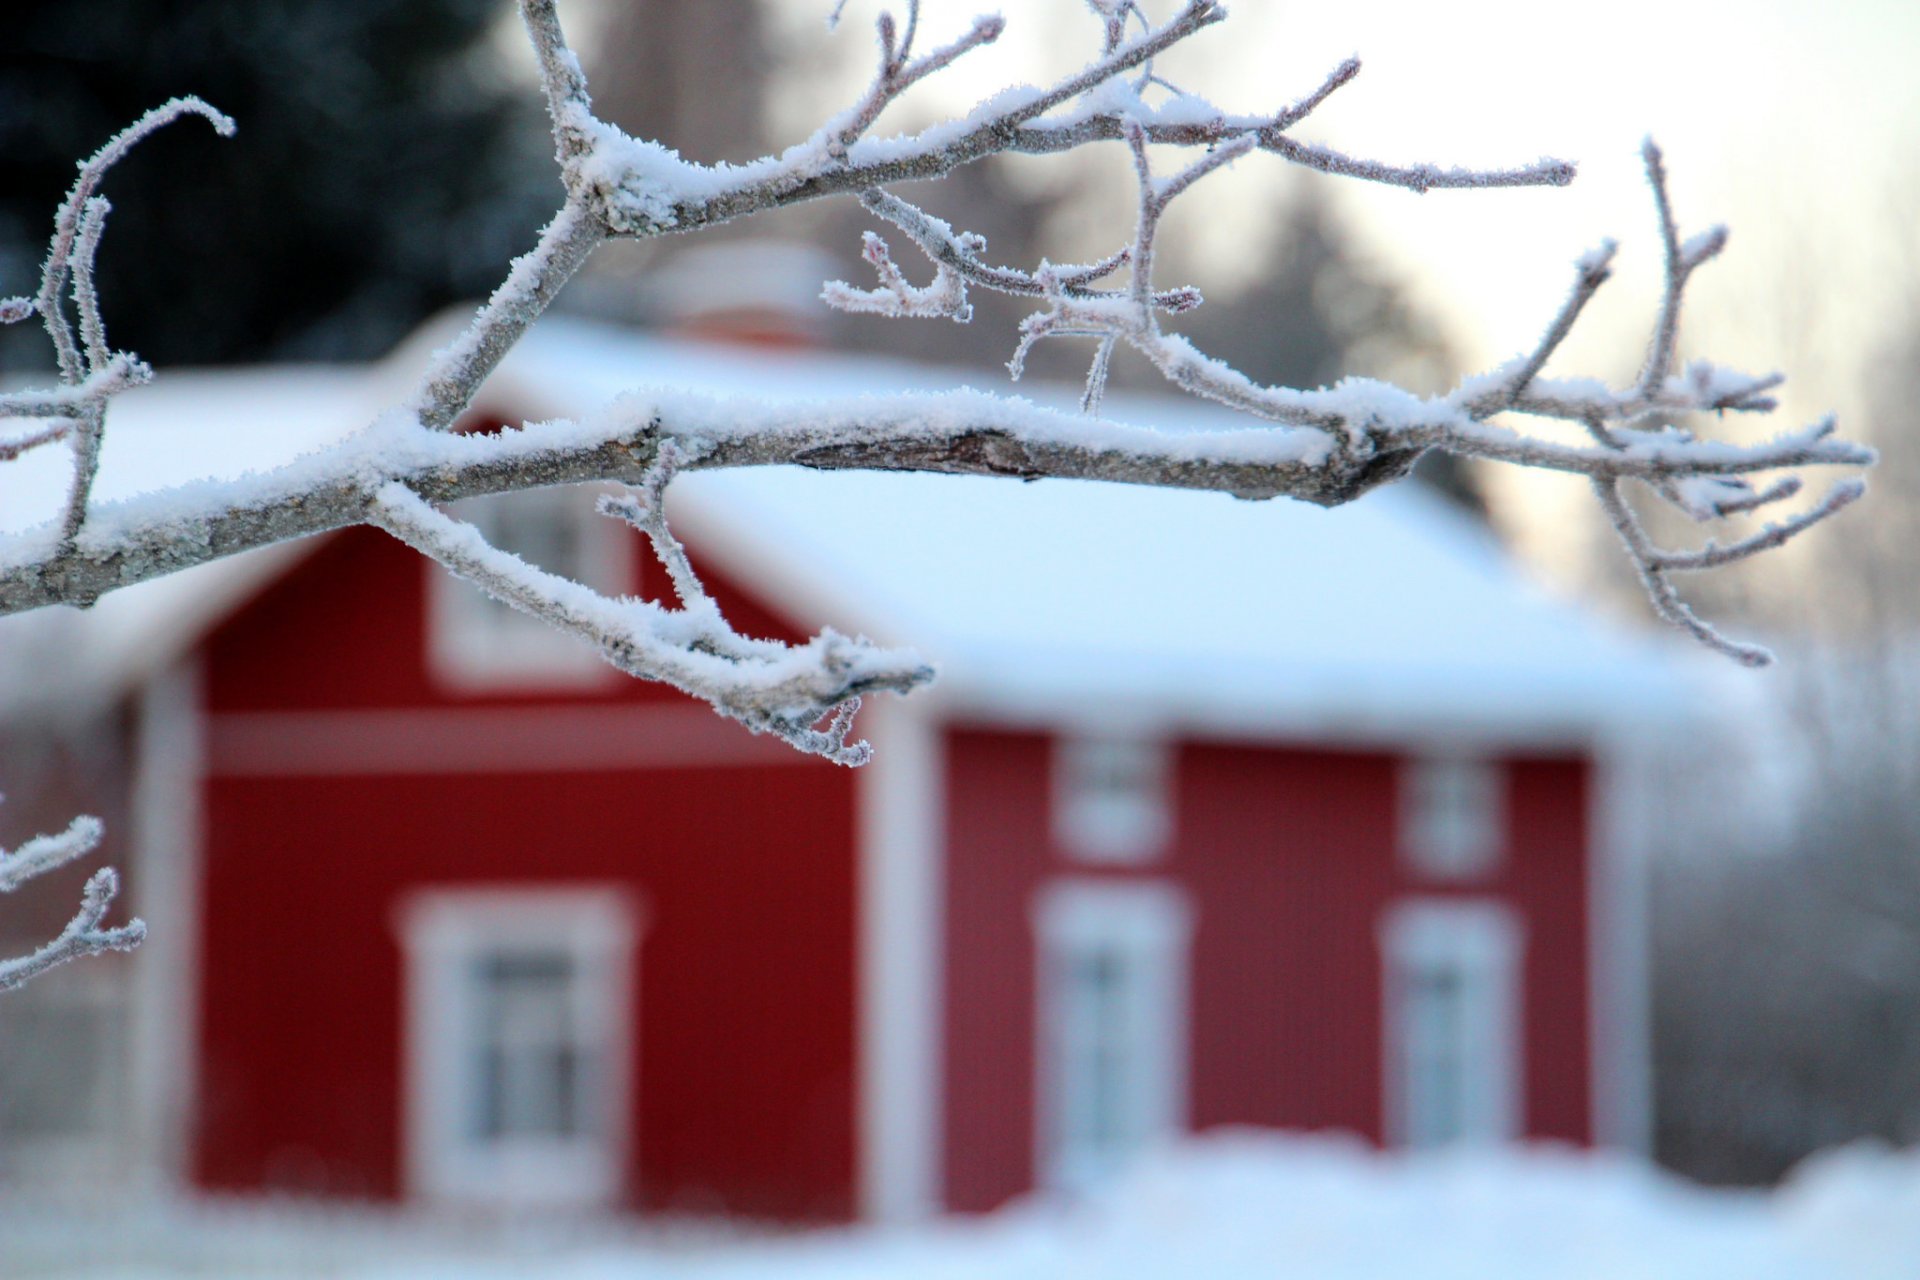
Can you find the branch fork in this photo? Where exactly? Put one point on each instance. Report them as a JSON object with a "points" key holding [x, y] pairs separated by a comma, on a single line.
{"points": [[84, 934]]}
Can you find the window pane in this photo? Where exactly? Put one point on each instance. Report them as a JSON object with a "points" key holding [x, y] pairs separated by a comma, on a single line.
{"points": [[1111, 799], [1437, 1054], [530, 1055], [1453, 982], [60, 1066], [1450, 817]]}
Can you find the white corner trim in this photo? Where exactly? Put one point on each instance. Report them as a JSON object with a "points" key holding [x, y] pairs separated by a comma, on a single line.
{"points": [[1487, 938], [1620, 944], [441, 931], [900, 935], [167, 887]]}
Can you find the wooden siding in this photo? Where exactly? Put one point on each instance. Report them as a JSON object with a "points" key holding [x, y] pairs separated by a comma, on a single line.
{"points": [[1288, 855]]}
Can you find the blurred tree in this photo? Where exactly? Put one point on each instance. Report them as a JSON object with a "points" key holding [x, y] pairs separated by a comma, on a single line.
{"points": [[1787, 968], [384, 167]]}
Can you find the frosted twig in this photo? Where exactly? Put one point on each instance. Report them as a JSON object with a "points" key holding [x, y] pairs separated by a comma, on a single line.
{"points": [[86, 298], [945, 296], [536, 277], [47, 853], [1666, 601], [646, 510], [1113, 15], [11, 449], [1592, 271], [1306, 106], [1369, 449], [1680, 261], [1096, 386], [83, 359], [66, 223], [83, 935], [899, 71], [768, 686], [562, 81], [1714, 555], [121, 372], [532, 283], [959, 253]]}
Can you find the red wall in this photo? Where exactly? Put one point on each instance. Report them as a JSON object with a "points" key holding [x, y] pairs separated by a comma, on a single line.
{"points": [[744, 1045], [1288, 855]]}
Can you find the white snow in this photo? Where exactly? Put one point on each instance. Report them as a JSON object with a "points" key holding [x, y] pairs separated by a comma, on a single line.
{"points": [[1228, 1207]]}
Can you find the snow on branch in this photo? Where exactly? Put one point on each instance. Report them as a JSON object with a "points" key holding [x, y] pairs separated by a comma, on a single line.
{"points": [[1375, 430], [83, 934], [1327, 446], [806, 695]]}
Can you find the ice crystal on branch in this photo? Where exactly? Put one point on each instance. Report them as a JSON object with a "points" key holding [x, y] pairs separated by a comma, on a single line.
{"points": [[83, 935]]}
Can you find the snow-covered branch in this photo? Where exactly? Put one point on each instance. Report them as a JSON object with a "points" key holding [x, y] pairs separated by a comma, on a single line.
{"points": [[805, 695], [1374, 430], [83, 934], [1325, 446], [91, 374]]}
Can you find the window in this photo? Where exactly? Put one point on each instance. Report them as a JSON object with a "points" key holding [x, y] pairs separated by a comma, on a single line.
{"points": [[1110, 799], [1112, 1041], [518, 1045], [479, 642], [1453, 1024], [1450, 811]]}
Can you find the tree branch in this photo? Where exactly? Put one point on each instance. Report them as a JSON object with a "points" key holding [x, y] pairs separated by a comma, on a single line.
{"points": [[1325, 446], [82, 935], [768, 686]]}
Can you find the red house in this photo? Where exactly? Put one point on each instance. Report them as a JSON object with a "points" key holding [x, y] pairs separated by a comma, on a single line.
{"points": [[1222, 813]]}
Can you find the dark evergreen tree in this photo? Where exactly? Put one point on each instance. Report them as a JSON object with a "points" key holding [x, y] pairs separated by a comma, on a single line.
{"points": [[385, 166]]}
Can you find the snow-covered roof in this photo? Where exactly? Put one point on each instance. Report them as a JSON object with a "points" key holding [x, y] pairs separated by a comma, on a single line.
{"points": [[1394, 616]]}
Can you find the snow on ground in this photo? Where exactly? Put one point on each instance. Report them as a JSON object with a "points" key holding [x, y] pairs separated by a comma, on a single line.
{"points": [[1221, 1208]]}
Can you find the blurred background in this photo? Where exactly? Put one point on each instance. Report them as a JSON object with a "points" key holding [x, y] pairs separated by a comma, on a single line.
{"points": [[392, 157]]}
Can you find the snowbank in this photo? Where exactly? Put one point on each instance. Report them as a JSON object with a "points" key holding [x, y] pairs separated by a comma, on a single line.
{"points": [[1227, 1206]]}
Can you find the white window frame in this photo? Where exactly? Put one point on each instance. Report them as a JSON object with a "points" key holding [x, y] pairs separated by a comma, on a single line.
{"points": [[443, 933], [1095, 822], [1482, 942], [1453, 817], [477, 643], [1151, 925]]}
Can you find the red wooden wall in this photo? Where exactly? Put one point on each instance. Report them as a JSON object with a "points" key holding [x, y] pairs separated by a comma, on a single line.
{"points": [[1288, 856], [744, 1040]]}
